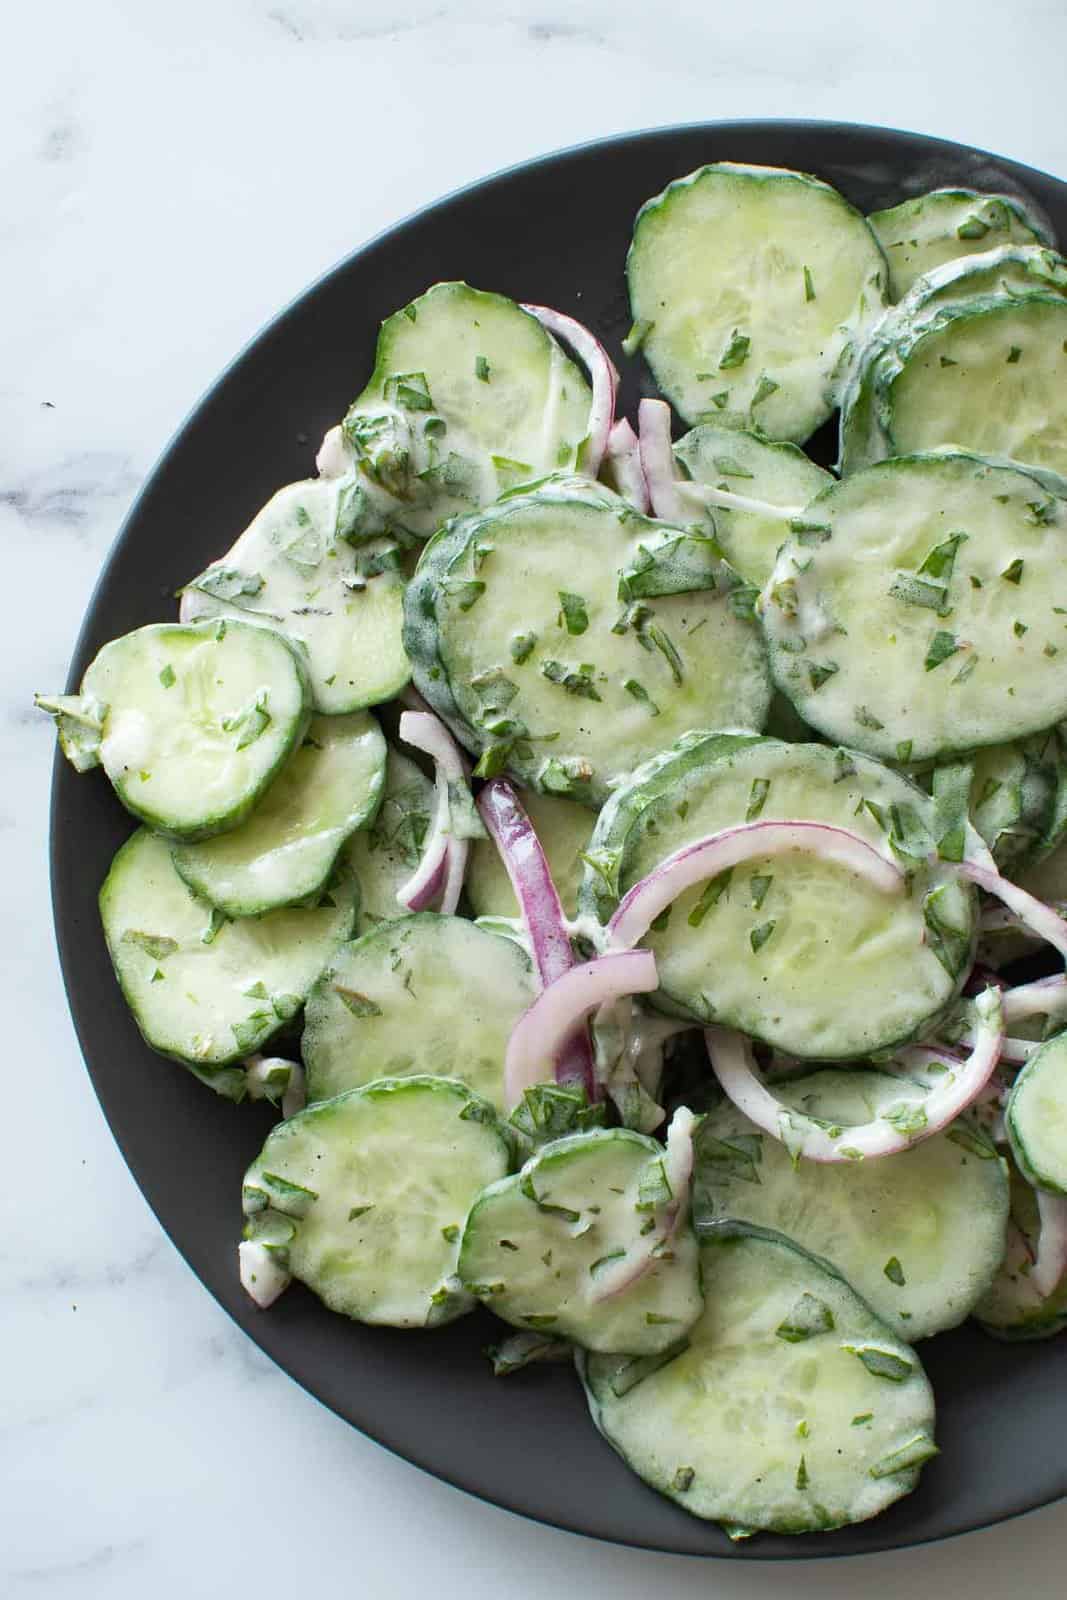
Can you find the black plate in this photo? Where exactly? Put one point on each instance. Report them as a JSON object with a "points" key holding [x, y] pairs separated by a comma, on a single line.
{"points": [[554, 231]]}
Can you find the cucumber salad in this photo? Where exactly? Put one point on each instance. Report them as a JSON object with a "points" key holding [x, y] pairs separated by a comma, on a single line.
{"points": [[607, 852]]}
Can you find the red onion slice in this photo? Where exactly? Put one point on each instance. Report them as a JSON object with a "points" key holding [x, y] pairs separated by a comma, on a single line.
{"points": [[677, 1170], [334, 457], [709, 857], [602, 377], [1045, 997], [624, 459], [1050, 1259], [439, 875], [1031, 912], [733, 1065], [657, 460], [261, 1276], [541, 1034]]}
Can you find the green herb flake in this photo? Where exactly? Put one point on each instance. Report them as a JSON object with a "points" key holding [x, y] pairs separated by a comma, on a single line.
{"points": [[663, 643], [1013, 573], [574, 614], [226, 583], [156, 945], [972, 228], [867, 719], [905, 1459], [862, 1419], [683, 1479], [759, 936], [720, 400], [894, 1272], [466, 592], [574, 680], [942, 645], [904, 750], [729, 468], [736, 352], [1050, 650], [881, 1363], [764, 389], [522, 647], [539, 1321], [757, 798], [920, 592], [361, 1211], [947, 361], [1042, 512], [481, 369], [712, 894], [360, 1005], [810, 1316], [640, 693], [802, 1474], [168, 677], [809, 285], [760, 885], [1013, 355], [1019, 628], [820, 673]]}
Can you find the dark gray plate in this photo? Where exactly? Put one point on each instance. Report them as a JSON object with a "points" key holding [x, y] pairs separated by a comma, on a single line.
{"points": [[554, 231]]}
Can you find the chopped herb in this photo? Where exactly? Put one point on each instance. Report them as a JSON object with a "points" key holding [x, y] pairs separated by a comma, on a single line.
{"points": [[809, 286], [736, 352], [156, 945], [653, 1318], [360, 1005], [250, 723], [942, 558], [664, 645], [539, 1321], [1050, 650], [481, 368], [808, 1317], [863, 1418], [719, 400], [764, 389], [904, 750], [973, 228], [820, 672], [465, 591], [881, 1363], [866, 719], [1013, 354], [1019, 628], [713, 893], [760, 886], [574, 615], [757, 798], [361, 1211], [1013, 572], [683, 1479], [894, 1272], [167, 677], [409, 390], [947, 361], [729, 468], [909, 1456], [522, 647], [965, 671], [640, 693], [844, 766], [920, 592], [802, 1474], [941, 646], [1042, 512], [575, 680], [226, 583], [759, 936]]}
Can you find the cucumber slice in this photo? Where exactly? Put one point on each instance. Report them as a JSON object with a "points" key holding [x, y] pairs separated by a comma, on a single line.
{"points": [[982, 374], [202, 989], [920, 1235], [781, 949], [1014, 1310], [197, 721], [424, 994], [793, 1408], [1007, 270], [469, 397], [1018, 793], [520, 641], [933, 228], [368, 1193], [748, 287], [750, 468], [1036, 1117], [925, 614], [564, 829], [384, 856], [287, 848], [534, 1243], [293, 569]]}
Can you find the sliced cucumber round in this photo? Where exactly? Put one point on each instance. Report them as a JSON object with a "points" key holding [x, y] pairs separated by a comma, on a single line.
{"points": [[293, 569], [521, 642], [1018, 798], [1014, 1309], [928, 611], [197, 721], [469, 397], [287, 848], [941, 226], [792, 1409], [780, 949], [1036, 1117], [749, 287], [365, 1196], [534, 1243], [424, 994], [920, 1235], [740, 466], [203, 989], [384, 856], [564, 829]]}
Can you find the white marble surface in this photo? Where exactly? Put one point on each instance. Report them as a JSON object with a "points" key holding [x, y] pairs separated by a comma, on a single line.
{"points": [[146, 1447]]}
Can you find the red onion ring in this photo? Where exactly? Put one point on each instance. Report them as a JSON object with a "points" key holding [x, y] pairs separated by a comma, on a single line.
{"points": [[1050, 1256], [657, 460], [624, 458], [1031, 912], [439, 875], [602, 377]]}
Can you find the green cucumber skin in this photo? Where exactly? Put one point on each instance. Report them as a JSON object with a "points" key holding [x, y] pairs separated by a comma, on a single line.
{"points": [[720, 1484], [1047, 1172], [209, 825], [234, 892], [736, 655], [640, 825], [911, 258]]}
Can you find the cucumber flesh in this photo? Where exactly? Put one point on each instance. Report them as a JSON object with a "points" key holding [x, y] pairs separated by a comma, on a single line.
{"points": [[287, 848], [740, 464], [534, 1244], [202, 989], [427, 994], [198, 721], [926, 617], [941, 226], [368, 1193], [749, 286], [1036, 1117], [920, 1235], [520, 641], [564, 829], [292, 569], [793, 1408], [781, 948], [469, 397], [384, 855]]}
